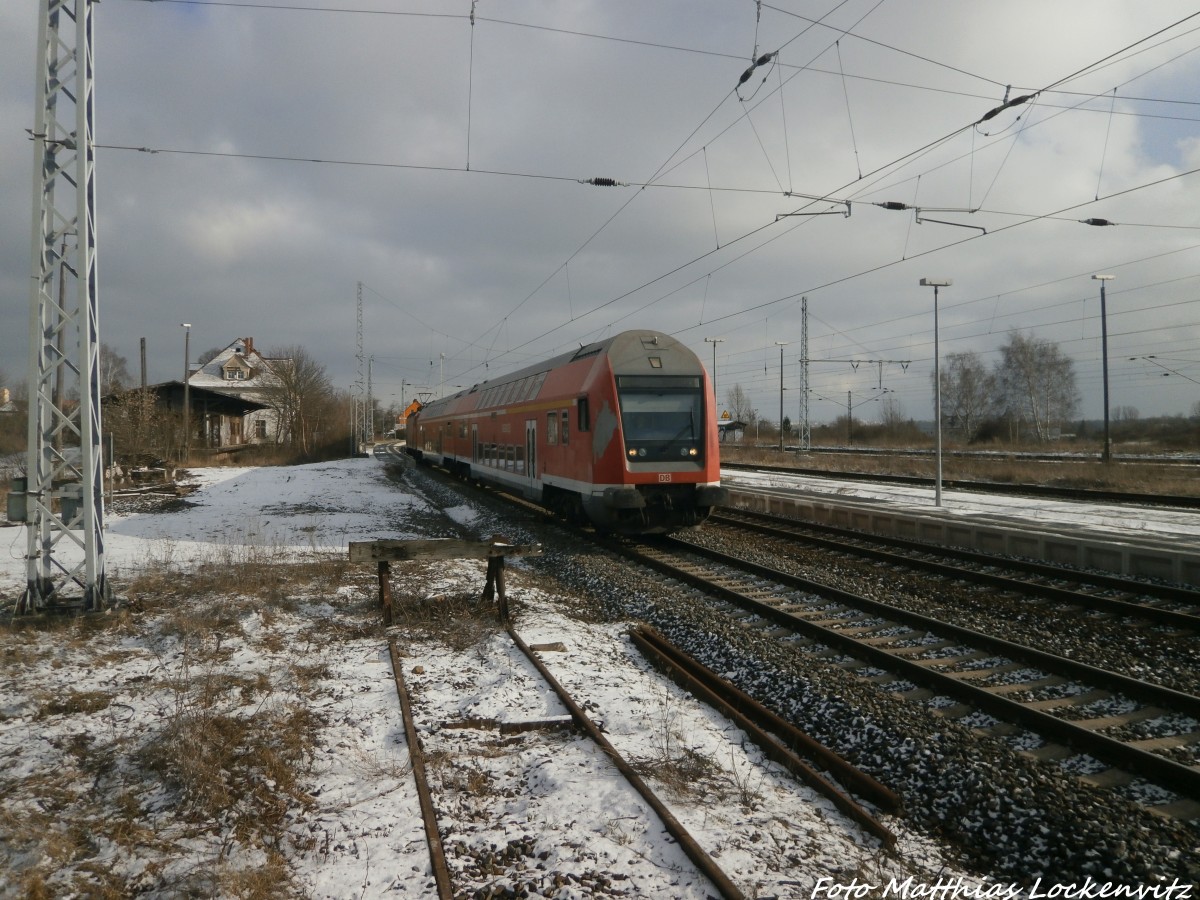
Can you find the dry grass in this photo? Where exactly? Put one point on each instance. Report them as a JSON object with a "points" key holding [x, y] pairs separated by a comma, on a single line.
{"points": [[237, 768], [122, 801], [458, 620]]}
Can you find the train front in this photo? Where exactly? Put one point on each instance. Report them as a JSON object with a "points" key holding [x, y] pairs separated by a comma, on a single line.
{"points": [[661, 461]]}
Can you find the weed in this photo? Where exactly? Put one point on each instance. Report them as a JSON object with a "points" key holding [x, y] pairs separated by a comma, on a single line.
{"points": [[680, 768], [747, 784]]}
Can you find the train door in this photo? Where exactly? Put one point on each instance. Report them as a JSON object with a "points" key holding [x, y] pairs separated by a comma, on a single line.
{"points": [[531, 460]]}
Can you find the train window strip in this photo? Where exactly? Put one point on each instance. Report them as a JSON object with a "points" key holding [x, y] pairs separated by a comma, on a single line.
{"points": [[566, 428], [658, 381], [551, 428], [584, 417]]}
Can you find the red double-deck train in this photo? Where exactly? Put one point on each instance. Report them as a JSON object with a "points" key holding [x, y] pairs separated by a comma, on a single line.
{"points": [[622, 432]]}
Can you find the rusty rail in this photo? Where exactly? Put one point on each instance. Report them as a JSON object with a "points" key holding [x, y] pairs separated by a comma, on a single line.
{"points": [[437, 853], [756, 720], [676, 829]]}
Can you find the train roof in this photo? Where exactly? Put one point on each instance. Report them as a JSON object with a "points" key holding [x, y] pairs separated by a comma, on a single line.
{"points": [[613, 346]]}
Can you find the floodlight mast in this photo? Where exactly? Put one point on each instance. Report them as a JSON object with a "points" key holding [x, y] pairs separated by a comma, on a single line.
{"points": [[64, 497]]}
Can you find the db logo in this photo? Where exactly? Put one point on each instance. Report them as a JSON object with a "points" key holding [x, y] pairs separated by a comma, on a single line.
{"points": [[664, 476]]}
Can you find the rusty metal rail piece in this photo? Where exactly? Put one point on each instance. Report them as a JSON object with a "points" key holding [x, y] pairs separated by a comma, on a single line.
{"points": [[437, 853], [687, 843], [756, 720]]}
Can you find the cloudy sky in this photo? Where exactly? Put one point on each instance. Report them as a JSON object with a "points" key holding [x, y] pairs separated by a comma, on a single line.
{"points": [[305, 150]]}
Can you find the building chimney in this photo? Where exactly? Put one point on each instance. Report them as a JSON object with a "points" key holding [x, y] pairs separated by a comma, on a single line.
{"points": [[249, 342], [4, 396]]}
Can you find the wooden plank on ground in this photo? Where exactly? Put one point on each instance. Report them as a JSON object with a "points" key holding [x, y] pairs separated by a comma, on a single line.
{"points": [[446, 548]]}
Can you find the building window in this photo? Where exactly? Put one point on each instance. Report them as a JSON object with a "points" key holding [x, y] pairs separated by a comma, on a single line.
{"points": [[260, 429]]}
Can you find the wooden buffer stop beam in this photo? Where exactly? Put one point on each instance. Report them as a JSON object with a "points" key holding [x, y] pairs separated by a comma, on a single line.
{"points": [[494, 551]]}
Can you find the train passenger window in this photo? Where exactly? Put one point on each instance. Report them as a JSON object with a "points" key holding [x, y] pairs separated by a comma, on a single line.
{"points": [[462, 429], [584, 420], [551, 429], [520, 456], [510, 457], [566, 433]]}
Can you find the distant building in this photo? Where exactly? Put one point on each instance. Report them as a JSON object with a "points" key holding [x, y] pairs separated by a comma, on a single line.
{"points": [[6, 402], [239, 370]]}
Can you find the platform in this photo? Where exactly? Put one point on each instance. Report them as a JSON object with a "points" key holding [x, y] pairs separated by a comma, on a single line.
{"points": [[1146, 555]]}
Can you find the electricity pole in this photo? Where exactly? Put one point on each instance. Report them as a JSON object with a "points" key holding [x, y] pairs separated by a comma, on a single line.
{"points": [[781, 344], [64, 492]]}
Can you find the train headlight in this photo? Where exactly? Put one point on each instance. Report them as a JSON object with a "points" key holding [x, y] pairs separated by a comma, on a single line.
{"points": [[693, 451], [642, 452], [632, 451]]}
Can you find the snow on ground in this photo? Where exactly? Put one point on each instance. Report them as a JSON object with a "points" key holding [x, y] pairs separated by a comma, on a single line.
{"points": [[1123, 519], [111, 726]]}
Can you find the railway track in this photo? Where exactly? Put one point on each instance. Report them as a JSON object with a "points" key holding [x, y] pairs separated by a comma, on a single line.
{"points": [[1170, 605], [1069, 703], [504, 868], [964, 774]]}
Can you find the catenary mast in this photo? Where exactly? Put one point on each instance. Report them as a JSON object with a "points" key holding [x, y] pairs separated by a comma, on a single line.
{"points": [[64, 501]]}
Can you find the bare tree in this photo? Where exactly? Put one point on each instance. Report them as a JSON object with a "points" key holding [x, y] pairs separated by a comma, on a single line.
{"points": [[303, 397], [1037, 382], [1126, 414], [892, 416], [739, 405], [114, 370], [208, 355], [968, 392], [142, 431]]}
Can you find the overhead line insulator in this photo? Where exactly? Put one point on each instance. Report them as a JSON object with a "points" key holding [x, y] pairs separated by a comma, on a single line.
{"points": [[604, 182], [1015, 101]]}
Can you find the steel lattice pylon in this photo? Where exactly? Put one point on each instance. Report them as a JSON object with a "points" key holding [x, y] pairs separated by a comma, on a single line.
{"points": [[64, 467]]}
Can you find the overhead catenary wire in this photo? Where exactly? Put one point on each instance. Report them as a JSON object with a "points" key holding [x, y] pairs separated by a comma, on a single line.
{"points": [[709, 187], [849, 114], [1104, 150]]}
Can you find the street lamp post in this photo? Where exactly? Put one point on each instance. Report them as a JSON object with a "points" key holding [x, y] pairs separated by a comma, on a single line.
{"points": [[714, 342], [1106, 454], [936, 283], [781, 345], [187, 399]]}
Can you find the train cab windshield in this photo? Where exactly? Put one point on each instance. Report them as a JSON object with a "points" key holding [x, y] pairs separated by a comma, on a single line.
{"points": [[662, 417]]}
